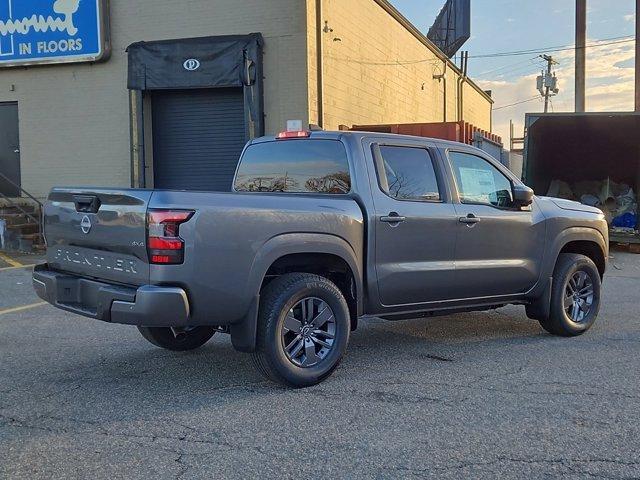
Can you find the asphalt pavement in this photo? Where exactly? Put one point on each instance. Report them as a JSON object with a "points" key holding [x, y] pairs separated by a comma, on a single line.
{"points": [[480, 395]]}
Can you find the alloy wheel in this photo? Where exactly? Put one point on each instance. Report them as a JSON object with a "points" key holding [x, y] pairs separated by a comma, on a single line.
{"points": [[308, 332], [579, 296]]}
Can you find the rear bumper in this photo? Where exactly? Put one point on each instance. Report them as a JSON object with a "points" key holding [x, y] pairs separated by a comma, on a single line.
{"points": [[148, 305]]}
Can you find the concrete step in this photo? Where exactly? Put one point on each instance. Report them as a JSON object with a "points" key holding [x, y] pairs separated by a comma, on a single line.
{"points": [[24, 228], [17, 226], [31, 236], [12, 209], [15, 219]]}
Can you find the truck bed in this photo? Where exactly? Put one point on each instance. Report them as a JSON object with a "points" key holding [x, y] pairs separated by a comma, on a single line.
{"points": [[226, 241]]}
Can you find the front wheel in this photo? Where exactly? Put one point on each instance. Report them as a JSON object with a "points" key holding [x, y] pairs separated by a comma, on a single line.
{"points": [[177, 339], [575, 296], [303, 329]]}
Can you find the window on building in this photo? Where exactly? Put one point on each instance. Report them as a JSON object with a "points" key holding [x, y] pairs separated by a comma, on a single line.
{"points": [[480, 182], [295, 166], [409, 174]]}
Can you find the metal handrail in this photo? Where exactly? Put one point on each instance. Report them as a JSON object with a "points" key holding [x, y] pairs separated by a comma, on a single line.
{"points": [[7, 179], [40, 220]]}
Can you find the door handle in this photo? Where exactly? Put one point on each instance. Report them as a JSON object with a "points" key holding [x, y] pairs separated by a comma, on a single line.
{"points": [[470, 220], [392, 218]]}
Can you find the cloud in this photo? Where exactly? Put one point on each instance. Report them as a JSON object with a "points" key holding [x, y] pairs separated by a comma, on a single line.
{"points": [[610, 86], [630, 18]]}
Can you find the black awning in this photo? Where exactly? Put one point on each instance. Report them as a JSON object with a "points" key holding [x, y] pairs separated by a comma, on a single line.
{"points": [[206, 62]]}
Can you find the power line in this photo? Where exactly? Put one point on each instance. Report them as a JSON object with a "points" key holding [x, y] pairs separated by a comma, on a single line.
{"points": [[530, 68], [509, 65], [517, 103], [597, 43], [614, 41], [434, 62]]}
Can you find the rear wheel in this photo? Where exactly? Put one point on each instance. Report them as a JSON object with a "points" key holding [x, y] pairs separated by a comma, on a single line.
{"points": [[303, 329], [575, 296], [177, 339]]}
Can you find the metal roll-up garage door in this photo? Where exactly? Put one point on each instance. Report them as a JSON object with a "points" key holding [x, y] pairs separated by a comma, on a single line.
{"points": [[198, 136]]}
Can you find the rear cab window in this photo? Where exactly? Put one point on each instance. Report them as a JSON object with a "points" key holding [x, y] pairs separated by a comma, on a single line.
{"points": [[294, 166]]}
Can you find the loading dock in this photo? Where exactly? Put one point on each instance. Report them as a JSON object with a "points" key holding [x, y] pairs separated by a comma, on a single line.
{"points": [[201, 101], [198, 136]]}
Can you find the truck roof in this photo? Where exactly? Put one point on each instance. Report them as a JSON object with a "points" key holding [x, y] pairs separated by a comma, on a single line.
{"points": [[358, 135]]}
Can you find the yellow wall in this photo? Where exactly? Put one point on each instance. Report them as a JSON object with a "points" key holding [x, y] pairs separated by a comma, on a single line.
{"points": [[477, 109], [376, 71], [74, 119]]}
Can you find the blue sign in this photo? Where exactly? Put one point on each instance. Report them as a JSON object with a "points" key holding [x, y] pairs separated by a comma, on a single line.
{"points": [[53, 31]]}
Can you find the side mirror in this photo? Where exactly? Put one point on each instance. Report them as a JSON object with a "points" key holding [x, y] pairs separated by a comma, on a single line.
{"points": [[522, 196]]}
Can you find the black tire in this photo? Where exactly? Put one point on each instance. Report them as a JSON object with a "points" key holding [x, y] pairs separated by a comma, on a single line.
{"points": [[278, 299], [187, 339], [560, 322]]}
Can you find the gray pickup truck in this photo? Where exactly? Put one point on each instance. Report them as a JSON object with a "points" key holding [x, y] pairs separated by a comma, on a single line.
{"points": [[319, 230]]}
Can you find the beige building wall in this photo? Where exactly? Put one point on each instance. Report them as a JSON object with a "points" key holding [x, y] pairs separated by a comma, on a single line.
{"points": [[476, 108], [375, 70], [74, 119]]}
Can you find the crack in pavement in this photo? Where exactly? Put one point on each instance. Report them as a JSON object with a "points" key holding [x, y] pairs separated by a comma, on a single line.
{"points": [[568, 464], [476, 386], [136, 438], [183, 468]]}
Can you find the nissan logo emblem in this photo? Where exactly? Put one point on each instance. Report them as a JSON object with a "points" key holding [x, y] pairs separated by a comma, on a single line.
{"points": [[191, 64], [85, 224]]}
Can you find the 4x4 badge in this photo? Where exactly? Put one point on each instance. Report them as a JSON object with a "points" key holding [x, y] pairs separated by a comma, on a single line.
{"points": [[85, 224]]}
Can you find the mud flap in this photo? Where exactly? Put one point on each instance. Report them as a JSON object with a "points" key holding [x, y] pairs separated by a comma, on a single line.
{"points": [[540, 308], [243, 334]]}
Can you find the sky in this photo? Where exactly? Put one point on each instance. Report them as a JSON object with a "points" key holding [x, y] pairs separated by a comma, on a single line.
{"points": [[510, 25]]}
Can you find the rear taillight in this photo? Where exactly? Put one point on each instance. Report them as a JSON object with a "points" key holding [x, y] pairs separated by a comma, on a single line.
{"points": [[163, 235]]}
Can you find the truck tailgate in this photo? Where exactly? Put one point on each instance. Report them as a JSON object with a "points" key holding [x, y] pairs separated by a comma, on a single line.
{"points": [[98, 233]]}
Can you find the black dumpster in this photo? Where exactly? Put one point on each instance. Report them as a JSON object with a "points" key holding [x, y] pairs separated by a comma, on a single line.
{"points": [[588, 157]]}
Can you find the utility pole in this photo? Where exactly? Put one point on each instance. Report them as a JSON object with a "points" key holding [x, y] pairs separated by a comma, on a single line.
{"points": [[319, 64], [548, 82], [581, 51]]}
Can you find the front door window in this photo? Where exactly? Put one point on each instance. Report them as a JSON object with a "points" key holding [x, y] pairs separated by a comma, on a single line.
{"points": [[479, 182]]}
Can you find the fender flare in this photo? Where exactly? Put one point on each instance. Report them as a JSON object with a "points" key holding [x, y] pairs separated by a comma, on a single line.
{"points": [[573, 234], [243, 334], [542, 290]]}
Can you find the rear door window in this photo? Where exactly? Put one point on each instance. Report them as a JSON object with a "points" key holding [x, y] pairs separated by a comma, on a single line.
{"points": [[408, 174], [294, 166]]}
